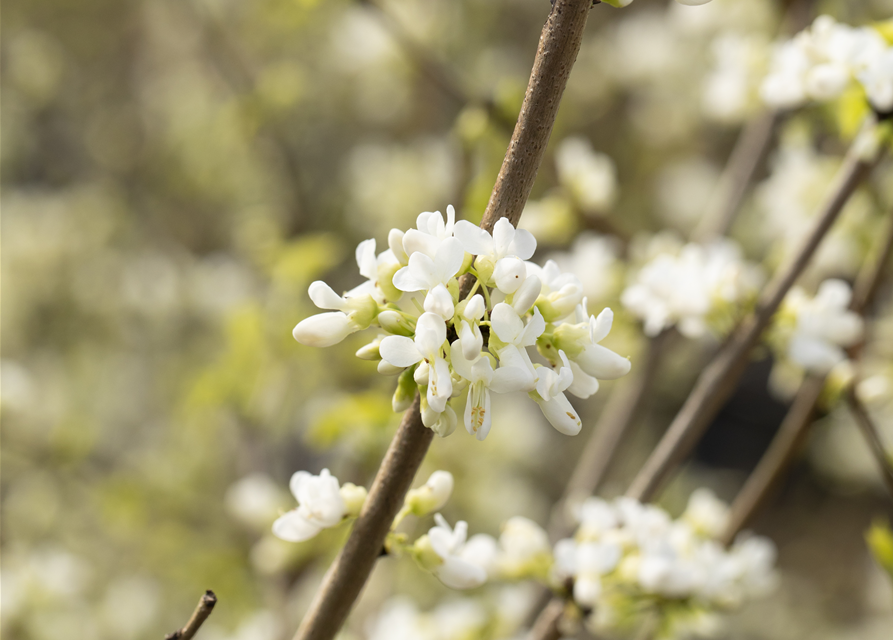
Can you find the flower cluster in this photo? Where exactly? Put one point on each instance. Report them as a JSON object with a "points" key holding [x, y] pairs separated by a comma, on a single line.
{"points": [[688, 289], [626, 556], [812, 332], [823, 61], [441, 344]]}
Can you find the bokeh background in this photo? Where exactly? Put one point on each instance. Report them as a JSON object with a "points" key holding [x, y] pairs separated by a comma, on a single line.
{"points": [[176, 172]]}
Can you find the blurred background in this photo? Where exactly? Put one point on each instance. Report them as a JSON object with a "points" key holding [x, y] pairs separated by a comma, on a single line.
{"points": [[176, 172]]}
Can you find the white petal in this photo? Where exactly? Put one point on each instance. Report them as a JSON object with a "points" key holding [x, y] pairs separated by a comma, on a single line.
{"points": [[461, 364], [514, 373], [815, 355], [457, 573], [323, 329], [509, 274], [399, 351], [415, 241], [474, 240], [430, 334], [324, 296], [600, 327], [293, 527], [481, 550], [298, 478], [477, 414], [395, 242], [523, 244], [440, 301], [472, 341], [584, 385], [474, 310], [526, 296], [503, 234], [602, 363], [418, 275], [448, 260], [440, 385], [366, 259], [561, 414], [534, 329], [506, 323]]}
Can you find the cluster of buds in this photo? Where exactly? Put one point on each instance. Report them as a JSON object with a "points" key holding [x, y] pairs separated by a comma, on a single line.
{"points": [[629, 557], [825, 60], [441, 345]]}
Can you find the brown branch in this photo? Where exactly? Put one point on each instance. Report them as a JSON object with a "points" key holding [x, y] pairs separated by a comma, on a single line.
{"points": [[202, 611], [348, 574], [872, 437], [719, 378], [558, 48], [777, 457], [725, 201], [547, 625]]}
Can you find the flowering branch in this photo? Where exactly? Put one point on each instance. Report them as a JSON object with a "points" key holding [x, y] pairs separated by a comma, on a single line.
{"points": [[718, 380], [558, 48], [202, 611]]}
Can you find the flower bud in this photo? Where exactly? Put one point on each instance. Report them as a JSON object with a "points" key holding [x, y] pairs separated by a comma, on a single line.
{"points": [[395, 323], [385, 368], [361, 310], [370, 351], [405, 391], [425, 555], [509, 274], [386, 273], [561, 303], [484, 266], [421, 374], [354, 497], [443, 423], [324, 329], [432, 495]]}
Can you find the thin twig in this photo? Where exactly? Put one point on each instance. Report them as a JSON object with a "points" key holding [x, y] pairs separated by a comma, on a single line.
{"points": [[799, 417], [547, 625], [777, 457], [872, 437], [202, 611], [719, 378], [558, 48], [750, 149]]}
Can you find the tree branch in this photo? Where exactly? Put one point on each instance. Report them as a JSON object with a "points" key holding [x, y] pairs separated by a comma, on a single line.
{"points": [[547, 625], [718, 380], [872, 437], [558, 48], [202, 611]]}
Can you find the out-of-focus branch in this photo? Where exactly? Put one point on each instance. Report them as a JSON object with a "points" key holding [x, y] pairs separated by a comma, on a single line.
{"points": [[872, 437], [612, 425], [751, 147], [202, 611], [719, 378], [777, 457], [799, 417], [558, 48], [547, 625]]}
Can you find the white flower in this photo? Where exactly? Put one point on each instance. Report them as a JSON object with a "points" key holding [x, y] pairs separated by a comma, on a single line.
{"points": [[378, 271], [824, 325], [586, 563], [581, 341], [469, 330], [462, 564], [426, 274], [549, 395], [561, 292], [706, 513], [432, 495], [320, 506], [591, 177], [513, 338], [512, 376], [501, 255], [523, 548], [430, 234], [326, 329], [427, 345], [877, 78]]}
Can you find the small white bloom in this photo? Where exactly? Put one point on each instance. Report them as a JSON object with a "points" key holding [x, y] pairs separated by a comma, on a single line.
{"points": [[706, 513], [463, 564], [561, 292], [426, 274], [591, 177], [427, 345], [326, 329], [523, 548], [431, 232], [432, 495], [320, 506], [549, 395]]}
